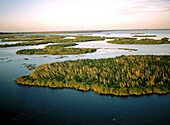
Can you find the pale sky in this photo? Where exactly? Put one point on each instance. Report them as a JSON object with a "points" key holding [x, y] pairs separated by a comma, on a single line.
{"points": [[60, 15]]}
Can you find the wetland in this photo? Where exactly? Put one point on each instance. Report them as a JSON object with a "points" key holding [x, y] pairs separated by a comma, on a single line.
{"points": [[112, 69]]}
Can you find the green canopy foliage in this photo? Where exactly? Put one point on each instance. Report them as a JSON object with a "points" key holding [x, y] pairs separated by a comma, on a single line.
{"points": [[123, 76]]}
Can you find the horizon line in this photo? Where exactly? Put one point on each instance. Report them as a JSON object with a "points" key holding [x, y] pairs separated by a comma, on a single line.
{"points": [[75, 31]]}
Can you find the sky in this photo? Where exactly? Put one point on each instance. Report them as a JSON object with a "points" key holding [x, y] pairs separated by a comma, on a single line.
{"points": [[70, 15]]}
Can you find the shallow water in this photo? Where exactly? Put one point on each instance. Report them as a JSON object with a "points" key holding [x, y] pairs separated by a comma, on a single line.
{"points": [[159, 33], [11, 42], [41, 105]]}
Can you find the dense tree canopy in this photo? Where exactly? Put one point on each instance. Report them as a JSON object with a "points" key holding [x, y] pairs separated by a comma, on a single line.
{"points": [[125, 75]]}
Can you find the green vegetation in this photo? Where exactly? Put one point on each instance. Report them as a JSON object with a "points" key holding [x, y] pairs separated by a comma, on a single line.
{"points": [[57, 49], [6, 36], [144, 36], [23, 39], [29, 66], [117, 38], [26, 59], [3, 58], [165, 39], [128, 49], [135, 41], [50, 37], [10, 36], [121, 76], [81, 31], [77, 39], [56, 32], [136, 33], [33, 38], [54, 39], [61, 57], [23, 44], [37, 36]]}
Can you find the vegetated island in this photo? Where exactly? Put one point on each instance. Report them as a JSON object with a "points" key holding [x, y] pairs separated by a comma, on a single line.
{"points": [[10, 36], [52, 32], [29, 66], [53, 39], [28, 38], [144, 36], [120, 76], [128, 49], [141, 41], [33, 38], [57, 49], [80, 31], [136, 33]]}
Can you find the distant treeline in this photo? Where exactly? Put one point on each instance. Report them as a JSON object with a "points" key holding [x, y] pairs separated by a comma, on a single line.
{"points": [[80, 31], [121, 76], [57, 49]]}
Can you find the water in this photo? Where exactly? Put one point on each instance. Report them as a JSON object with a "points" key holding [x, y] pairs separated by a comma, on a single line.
{"points": [[159, 33], [11, 42], [41, 105]]}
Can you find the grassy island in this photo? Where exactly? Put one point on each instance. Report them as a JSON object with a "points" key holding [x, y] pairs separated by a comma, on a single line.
{"points": [[120, 76], [21, 39], [78, 38], [51, 39], [23, 44], [26, 38], [57, 49], [141, 41], [128, 49], [144, 36], [136, 33]]}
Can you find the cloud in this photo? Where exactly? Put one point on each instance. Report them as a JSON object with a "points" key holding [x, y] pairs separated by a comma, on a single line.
{"points": [[163, 9], [151, 1], [151, 8], [145, 6]]}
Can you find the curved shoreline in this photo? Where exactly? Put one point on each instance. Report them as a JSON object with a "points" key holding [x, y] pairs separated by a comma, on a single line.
{"points": [[145, 41], [57, 49], [95, 75], [95, 91]]}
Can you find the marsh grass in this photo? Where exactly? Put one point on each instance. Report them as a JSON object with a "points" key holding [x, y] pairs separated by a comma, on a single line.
{"points": [[128, 49], [52, 39], [135, 41], [57, 50], [144, 36]]}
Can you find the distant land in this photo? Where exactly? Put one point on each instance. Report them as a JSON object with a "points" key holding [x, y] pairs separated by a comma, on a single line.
{"points": [[76, 31]]}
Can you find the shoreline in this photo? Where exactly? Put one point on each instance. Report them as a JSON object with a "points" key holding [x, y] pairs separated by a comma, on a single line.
{"points": [[97, 92], [120, 76]]}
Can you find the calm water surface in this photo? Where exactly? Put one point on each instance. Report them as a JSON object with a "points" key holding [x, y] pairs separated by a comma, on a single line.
{"points": [[41, 105]]}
